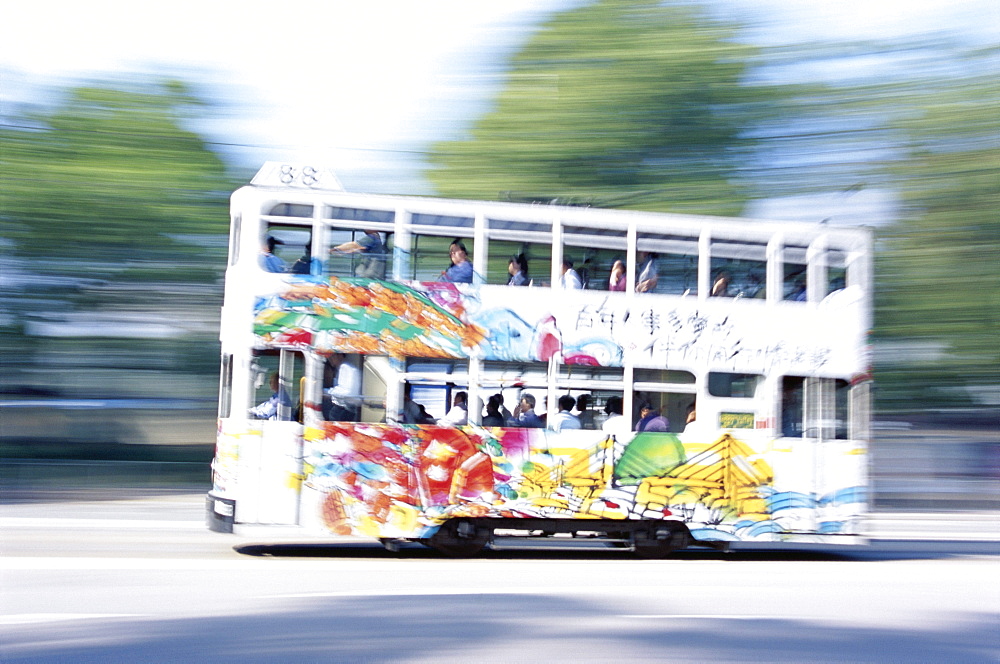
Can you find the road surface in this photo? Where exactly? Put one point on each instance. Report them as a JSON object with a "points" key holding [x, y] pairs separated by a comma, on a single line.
{"points": [[143, 581]]}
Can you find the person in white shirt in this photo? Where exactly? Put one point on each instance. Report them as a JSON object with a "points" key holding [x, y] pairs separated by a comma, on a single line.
{"points": [[459, 413], [570, 278], [564, 419], [342, 389], [616, 424], [268, 410]]}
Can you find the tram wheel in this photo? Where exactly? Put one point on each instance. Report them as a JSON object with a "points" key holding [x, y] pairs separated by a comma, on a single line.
{"points": [[659, 542], [460, 539]]}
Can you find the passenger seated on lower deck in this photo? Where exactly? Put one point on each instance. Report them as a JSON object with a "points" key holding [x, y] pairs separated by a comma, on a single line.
{"points": [[494, 416], [586, 416], [459, 414], [564, 419], [341, 389], [524, 415], [650, 419], [617, 423]]}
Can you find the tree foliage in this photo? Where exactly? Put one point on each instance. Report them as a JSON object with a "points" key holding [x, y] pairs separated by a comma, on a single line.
{"points": [[940, 267], [108, 169], [628, 103]]}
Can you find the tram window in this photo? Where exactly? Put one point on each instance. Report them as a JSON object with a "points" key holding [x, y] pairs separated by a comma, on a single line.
{"points": [[666, 263], [359, 214], [421, 219], [432, 382], [364, 253], [276, 393], [234, 239], [291, 210], [733, 385], [842, 393], [793, 286], [663, 376], [836, 271], [672, 406], [287, 248], [537, 256], [429, 400], [347, 379], [374, 369], [738, 270], [431, 256], [678, 274], [593, 252], [792, 400], [828, 412], [226, 386]]}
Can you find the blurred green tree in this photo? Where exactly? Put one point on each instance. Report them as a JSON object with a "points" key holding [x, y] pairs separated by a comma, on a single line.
{"points": [[632, 104], [110, 172], [939, 268]]}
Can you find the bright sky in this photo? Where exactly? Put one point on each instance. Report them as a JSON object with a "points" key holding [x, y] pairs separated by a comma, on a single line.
{"points": [[361, 86]]}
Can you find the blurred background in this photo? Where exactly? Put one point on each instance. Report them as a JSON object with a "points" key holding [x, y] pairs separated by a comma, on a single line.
{"points": [[125, 127]]}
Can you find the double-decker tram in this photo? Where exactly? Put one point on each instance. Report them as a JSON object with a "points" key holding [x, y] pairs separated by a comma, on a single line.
{"points": [[440, 371]]}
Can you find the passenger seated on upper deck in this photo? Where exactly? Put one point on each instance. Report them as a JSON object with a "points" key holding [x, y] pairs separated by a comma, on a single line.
{"points": [[570, 279], [460, 271], [720, 286], [518, 270], [372, 263], [306, 264], [648, 273], [798, 293], [618, 278], [268, 260]]}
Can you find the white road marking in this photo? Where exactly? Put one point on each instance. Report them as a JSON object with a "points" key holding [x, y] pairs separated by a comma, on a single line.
{"points": [[699, 616], [130, 524], [36, 618]]}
